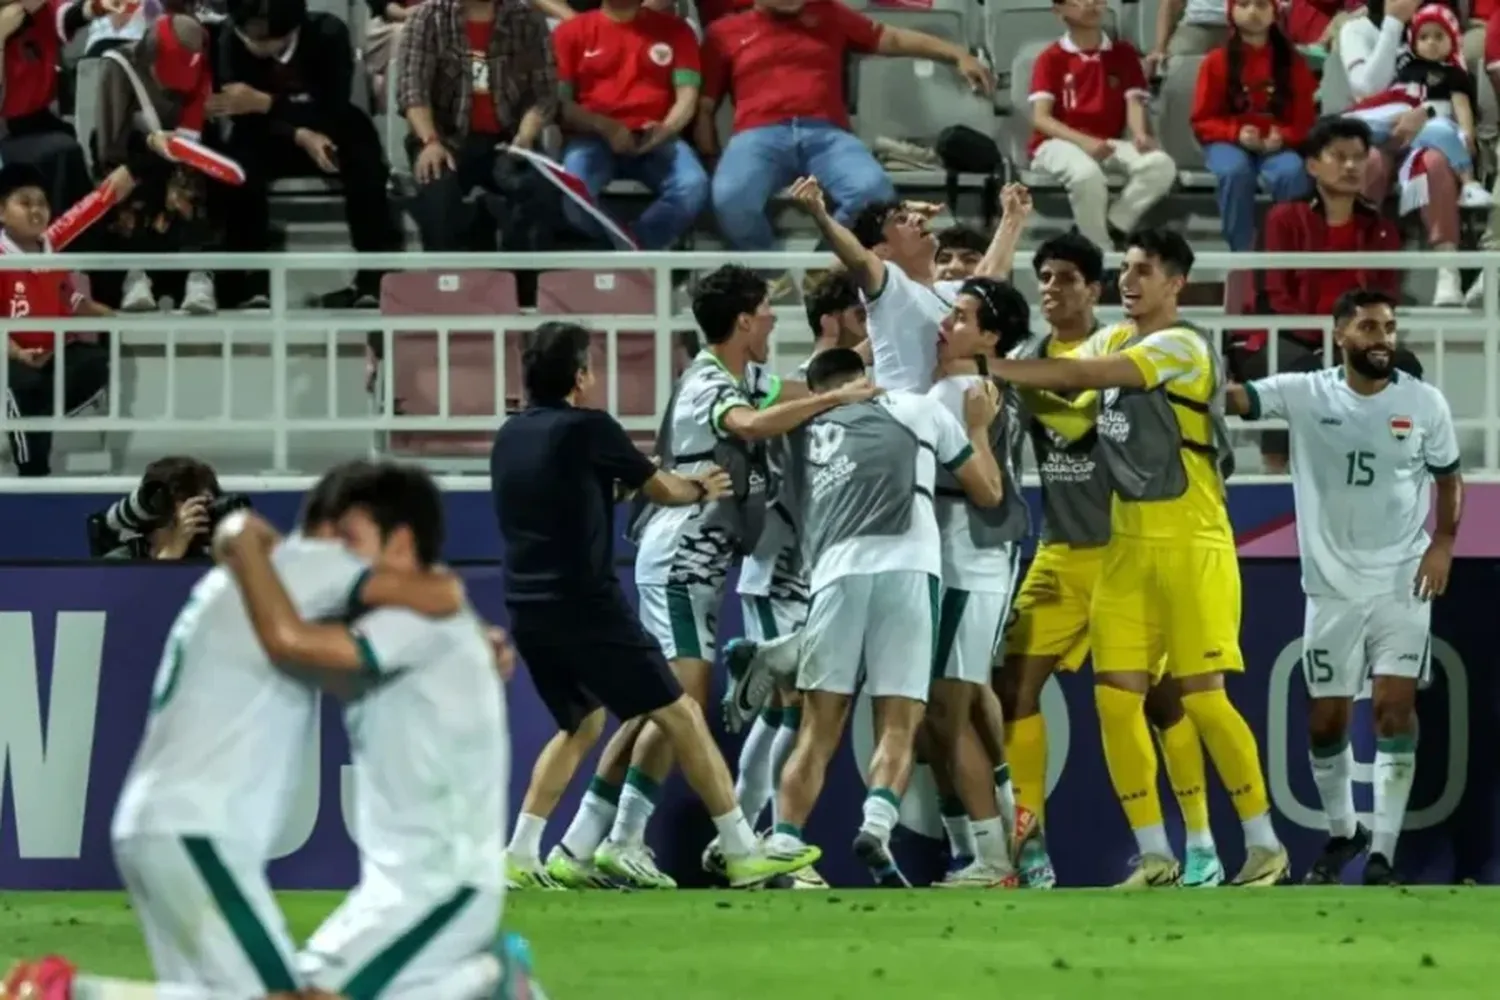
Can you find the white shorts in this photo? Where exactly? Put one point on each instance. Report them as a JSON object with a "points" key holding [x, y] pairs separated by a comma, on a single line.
{"points": [[885, 621], [208, 914], [768, 618], [388, 944], [682, 618], [1346, 642], [971, 624]]}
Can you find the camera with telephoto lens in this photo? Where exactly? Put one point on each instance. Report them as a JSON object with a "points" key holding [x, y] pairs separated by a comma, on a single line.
{"points": [[125, 527]]}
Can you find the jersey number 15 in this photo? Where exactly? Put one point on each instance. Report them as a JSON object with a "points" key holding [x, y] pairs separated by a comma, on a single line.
{"points": [[1358, 468]]}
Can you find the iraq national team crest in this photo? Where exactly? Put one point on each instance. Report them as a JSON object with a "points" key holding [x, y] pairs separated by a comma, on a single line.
{"points": [[1401, 428]]}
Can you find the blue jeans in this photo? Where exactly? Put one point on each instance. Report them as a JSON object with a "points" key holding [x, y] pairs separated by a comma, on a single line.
{"points": [[1239, 173], [760, 162], [671, 172], [1442, 134]]}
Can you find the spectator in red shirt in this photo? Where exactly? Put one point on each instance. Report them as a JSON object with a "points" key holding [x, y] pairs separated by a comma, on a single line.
{"points": [[1252, 109], [31, 356], [1317, 22], [1088, 109], [782, 63], [629, 78], [1336, 219]]}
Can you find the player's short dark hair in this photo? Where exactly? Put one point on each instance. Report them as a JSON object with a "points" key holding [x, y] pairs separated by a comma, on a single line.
{"points": [[396, 495], [1003, 311], [723, 296], [965, 239], [321, 504], [833, 293], [556, 353], [1073, 248], [1167, 246], [868, 225], [1335, 128], [1356, 299], [183, 477], [832, 368]]}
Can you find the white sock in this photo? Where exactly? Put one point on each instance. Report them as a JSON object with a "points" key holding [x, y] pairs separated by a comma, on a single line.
{"points": [[1333, 775], [990, 842], [1005, 799], [959, 830], [752, 786], [881, 813], [1153, 840], [1395, 767], [636, 807], [526, 840], [596, 814], [98, 988], [781, 749], [1260, 833], [1201, 840], [736, 839]]}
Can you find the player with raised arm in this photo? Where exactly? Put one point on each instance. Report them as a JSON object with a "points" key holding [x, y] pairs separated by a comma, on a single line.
{"points": [[1170, 583], [1368, 446], [862, 477]]}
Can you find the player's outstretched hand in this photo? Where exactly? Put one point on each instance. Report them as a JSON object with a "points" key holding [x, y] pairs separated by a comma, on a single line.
{"points": [[981, 405], [808, 194], [856, 391], [1432, 572], [505, 653], [715, 482]]}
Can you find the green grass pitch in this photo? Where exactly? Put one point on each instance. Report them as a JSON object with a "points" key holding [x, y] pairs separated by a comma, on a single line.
{"points": [[1220, 944]]}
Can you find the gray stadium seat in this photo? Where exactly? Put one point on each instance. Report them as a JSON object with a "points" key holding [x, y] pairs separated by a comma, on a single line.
{"points": [[1334, 96], [1174, 109], [1016, 132], [86, 104], [915, 99], [1009, 31], [393, 124]]}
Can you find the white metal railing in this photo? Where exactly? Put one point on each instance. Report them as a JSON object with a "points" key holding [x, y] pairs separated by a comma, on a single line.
{"points": [[1435, 331]]}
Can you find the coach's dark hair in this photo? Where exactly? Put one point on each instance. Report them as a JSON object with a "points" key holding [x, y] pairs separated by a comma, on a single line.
{"points": [[1335, 128], [868, 226], [833, 293], [963, 238], [556, 353], [1168, 246], [1073, 248], [723, 296], [1356, 299], [832, 368], [1002, 311], [322, 503], [395, 495]]}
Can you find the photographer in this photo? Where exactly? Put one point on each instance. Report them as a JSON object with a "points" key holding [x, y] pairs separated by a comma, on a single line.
{"points": [[170, 515]]}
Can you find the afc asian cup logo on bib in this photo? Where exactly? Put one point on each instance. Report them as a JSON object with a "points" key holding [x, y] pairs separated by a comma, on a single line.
{"points": [[660, 53], [1401, 428], [824, 441]]}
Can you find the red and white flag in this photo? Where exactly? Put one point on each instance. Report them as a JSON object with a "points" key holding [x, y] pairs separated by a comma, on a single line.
{"points": [[193, 153], [85, 212], [573, 187]]}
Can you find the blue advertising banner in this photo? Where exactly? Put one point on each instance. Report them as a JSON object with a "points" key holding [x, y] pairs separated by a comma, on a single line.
{"points": [[81, 643]]}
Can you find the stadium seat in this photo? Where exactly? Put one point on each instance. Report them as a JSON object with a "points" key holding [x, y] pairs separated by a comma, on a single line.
{"points": [[86, 105], [1011, 32], [393, 124], [1016, 132], [1174, 124], [413, 366], [1334, 96]]}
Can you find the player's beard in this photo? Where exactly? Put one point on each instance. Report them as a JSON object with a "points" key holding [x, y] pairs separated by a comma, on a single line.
{"points": [[1361, 362]]}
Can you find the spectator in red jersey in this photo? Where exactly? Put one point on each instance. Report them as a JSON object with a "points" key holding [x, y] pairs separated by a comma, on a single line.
{"points": [[1088, 109], [1476, 33], [630, 79], [31, 356], [1317, 22], [782, 63], [34, 33], [1337, 219], [474, 73], [710, 11], [1251, 111]]}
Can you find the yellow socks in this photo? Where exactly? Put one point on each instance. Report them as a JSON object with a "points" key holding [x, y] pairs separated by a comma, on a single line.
{"points": [[1182, 753], [1232, 747], [1131, 756], [1026, 751]]}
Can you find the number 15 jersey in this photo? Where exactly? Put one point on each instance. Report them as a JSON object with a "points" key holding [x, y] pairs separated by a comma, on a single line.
{"points": [[1362, 473]]}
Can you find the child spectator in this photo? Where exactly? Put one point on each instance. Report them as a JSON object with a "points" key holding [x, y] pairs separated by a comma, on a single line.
{"points": [[1088, 109], [1252, 109]]}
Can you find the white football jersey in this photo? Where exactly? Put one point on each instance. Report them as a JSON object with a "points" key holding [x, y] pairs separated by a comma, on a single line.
{"points": [[966, 565], [1362, 472], [904, 317], [431, 755], [227, 731]]}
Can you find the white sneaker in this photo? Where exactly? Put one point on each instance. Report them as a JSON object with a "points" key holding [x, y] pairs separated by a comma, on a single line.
{"points": [[980, 874], [198, 299], [1450, 288], [138, 297], [634, 864], [1473, 195]]}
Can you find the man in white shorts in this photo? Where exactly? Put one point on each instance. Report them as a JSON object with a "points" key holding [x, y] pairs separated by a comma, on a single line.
{"points": [[429, 740], [1368, 444], [862, 479]]}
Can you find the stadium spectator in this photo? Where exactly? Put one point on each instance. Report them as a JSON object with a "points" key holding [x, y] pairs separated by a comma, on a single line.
{"points": [[1492, 70], [190, 487], [285, 78], [31, 356], [474, 73], [1476, 32], [34, 33], [1187, 28], [630, 79], [1316, 23], [1252, 109], [1370, 51], [1337, 219], [782, 63], [382, 40], [163, 204], [959, 251], [710, 11], [118, 28], [1088, 110]]}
